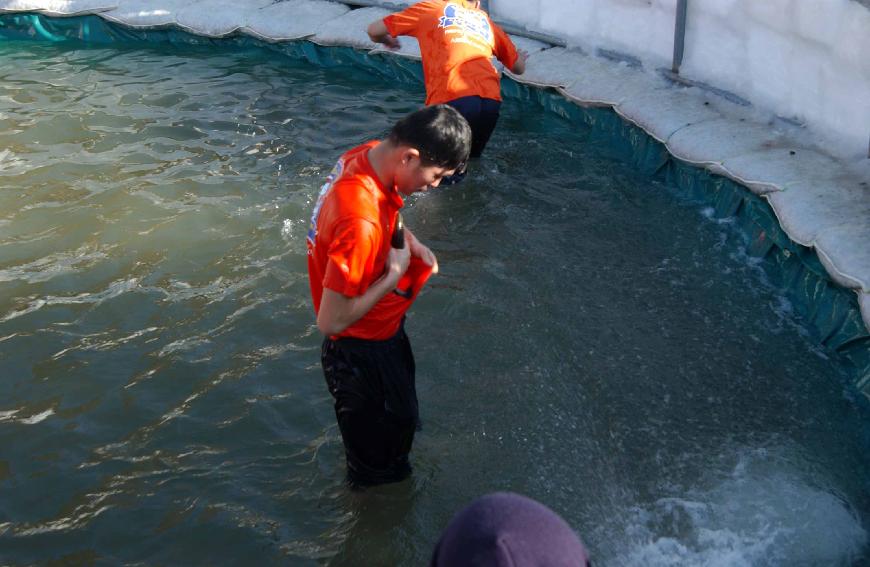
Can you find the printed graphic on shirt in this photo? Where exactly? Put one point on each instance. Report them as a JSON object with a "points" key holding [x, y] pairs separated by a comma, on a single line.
{"points": [[324, 190], [473, 23]]}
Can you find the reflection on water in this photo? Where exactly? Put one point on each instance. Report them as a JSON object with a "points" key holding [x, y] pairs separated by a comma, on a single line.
{"points": [[593, 340]]}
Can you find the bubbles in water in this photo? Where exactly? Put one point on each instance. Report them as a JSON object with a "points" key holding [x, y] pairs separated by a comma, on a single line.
{"points": [[287, 229], [763, 513]]}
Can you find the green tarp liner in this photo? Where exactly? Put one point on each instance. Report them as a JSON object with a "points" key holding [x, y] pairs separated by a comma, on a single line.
{"points": [[832, 312]]}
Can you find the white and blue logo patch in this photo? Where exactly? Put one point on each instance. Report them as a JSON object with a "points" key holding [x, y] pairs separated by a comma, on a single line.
{"points": [[473, 22], [324, 190]]}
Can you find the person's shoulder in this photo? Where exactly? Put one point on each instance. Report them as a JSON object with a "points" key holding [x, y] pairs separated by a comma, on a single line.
{"points": [[354, 196]]}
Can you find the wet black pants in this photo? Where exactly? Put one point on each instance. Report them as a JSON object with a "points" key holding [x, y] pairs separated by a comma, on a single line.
{"points": [[375, 404]]}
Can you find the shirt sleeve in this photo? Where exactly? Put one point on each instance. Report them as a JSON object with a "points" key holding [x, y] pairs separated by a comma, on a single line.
{"points": [[505, 51], [407, 21], [351, 256]]}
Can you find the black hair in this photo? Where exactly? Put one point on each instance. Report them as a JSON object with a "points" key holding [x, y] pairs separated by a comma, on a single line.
{"points": [[439, 133]]}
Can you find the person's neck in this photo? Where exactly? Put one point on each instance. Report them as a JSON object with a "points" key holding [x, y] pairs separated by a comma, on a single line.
{"points": [[379, 160]]}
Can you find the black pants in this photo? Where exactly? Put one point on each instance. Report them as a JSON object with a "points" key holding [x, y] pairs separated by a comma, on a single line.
{"points": [[375, 405], [482, 115]]}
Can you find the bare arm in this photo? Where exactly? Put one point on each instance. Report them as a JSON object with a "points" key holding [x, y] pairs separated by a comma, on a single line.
{"points": [[378, 33], [338, 311], [520, 66]]}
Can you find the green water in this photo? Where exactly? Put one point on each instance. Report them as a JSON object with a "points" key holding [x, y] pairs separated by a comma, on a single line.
{"points": [[594, 340]]}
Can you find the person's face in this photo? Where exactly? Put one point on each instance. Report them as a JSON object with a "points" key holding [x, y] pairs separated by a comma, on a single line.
{"points": [[412, 176]]}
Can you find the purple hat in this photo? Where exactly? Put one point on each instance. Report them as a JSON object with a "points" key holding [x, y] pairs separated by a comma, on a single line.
{"points": [[508, 530]]}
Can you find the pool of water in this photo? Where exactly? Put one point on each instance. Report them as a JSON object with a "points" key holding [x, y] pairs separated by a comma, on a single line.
{"points": [[594, 340]]}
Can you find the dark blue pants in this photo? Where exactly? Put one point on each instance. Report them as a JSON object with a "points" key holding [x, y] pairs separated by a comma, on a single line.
{"points": [[482, 115]]}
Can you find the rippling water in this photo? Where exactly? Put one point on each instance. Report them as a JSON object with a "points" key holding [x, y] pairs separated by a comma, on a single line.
{"points": [[594, 340]]}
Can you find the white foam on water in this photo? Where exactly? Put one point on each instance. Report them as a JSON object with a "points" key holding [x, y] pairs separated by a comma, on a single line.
{"points": [[7, 415], [113, 290], [11, 164], [287, 229], [53, 265], [765, 512], [185, 344], [37, 418]]}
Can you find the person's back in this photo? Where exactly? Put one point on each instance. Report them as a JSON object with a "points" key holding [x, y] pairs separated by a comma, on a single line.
{"points": [[457, 41]]}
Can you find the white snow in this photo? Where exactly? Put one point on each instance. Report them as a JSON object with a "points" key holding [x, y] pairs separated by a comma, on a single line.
{"points": [[864, 301], [552, 67], [293, 19], [350, 29], [217, 18], [143, 13], [58, 7], [849, 265]]}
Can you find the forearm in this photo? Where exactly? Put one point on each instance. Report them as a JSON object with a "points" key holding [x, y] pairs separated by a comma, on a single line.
{"points": [[338, 312], [519, 66]]}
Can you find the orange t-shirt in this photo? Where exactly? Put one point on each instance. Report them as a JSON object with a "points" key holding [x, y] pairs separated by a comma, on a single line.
{"points": [[349, 240], [457, 44]]}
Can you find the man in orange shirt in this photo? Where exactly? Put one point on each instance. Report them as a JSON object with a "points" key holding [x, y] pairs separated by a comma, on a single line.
{"points": [[457, 40], [363, 281]]}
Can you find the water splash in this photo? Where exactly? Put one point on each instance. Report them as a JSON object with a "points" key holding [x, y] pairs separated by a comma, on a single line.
{"points": [[766, 512]]}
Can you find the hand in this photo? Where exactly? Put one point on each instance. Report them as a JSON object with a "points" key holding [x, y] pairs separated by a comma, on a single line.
{"points": [[392, 42], [397, 262], [379, 33], [418, 250], [520, 66]]}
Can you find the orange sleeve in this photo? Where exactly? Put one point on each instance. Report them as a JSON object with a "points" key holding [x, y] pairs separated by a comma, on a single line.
{"points": [[350, 256], [407, 21], [505, 50]]}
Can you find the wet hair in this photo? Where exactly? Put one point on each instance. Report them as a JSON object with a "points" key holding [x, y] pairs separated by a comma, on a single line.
{"points": [[439, 133]]}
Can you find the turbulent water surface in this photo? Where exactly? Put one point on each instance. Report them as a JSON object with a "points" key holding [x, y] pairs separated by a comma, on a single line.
{"points": [[594, 340]]}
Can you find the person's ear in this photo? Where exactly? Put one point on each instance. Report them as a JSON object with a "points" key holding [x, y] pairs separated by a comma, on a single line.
{"points": [[410, 154]]}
